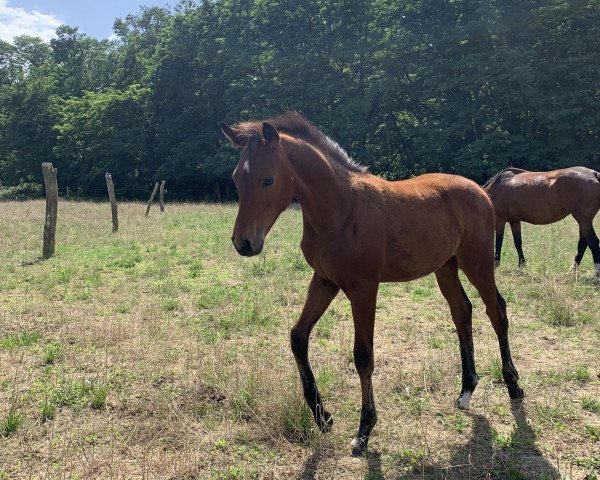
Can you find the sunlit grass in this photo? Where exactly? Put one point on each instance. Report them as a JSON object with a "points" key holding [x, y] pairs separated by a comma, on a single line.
{"points": [[160, 350]]}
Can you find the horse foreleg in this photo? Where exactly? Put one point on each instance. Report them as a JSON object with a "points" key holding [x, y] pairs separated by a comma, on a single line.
{"points": [[515, 227], [461, 311], [320, 294], [499, 239], [363, 302]]}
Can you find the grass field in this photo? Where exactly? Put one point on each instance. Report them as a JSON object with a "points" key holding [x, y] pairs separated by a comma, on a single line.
{"points": [[158, 352]]}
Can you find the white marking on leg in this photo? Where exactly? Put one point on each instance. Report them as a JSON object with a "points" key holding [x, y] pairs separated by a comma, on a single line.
{"points": [[246, 166], [597, 265], [464, 400], [354, 443]]}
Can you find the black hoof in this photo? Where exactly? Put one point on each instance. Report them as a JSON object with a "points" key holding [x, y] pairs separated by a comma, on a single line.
{"points": [[516, 393], [359, 446], [325, 421], [496, 263]]}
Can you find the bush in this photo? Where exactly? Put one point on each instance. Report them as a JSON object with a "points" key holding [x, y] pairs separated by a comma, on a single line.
{"points": [[23, 191]]}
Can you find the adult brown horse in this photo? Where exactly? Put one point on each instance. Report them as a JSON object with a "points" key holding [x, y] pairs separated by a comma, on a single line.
{"points": [[546, 197], [360, 230]]}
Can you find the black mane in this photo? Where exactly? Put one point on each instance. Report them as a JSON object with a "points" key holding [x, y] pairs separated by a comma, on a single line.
{"points": [[296, 125]]}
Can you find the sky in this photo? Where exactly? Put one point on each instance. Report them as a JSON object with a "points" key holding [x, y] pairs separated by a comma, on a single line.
{"points": [[40, 18]]}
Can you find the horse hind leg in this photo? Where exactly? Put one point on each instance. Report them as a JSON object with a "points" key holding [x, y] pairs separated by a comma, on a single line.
{"points": [[500, 224], [581, 246], [515, 228], [461, 311], [480, 272], [586, 230]]}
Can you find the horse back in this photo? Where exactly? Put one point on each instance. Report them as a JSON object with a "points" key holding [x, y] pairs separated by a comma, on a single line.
{"points": [[545, 197], [429, 219]]}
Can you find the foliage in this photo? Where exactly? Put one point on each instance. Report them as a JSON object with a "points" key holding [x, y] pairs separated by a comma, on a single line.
{"points": [[466, 87]]}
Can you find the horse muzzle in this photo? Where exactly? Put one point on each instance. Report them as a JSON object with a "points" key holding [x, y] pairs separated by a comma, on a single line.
{"points": [[248, 248]]}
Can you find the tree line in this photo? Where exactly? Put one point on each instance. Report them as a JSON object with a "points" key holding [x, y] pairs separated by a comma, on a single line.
{"points": [[405, 86]]}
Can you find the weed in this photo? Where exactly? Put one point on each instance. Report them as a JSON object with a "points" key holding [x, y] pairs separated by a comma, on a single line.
{"points": [[590, 404], [437, 343], [592, 432], [50, 353], [244, 404], [324, 328], [97, 396], [170, 304], [11, 423], [48, 411], [412, 400], [456, 422], [558, 310], [16, 340], [407, 457]]}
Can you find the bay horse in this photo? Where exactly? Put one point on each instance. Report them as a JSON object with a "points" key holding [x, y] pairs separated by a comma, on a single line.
{"points": [[541, 198], [360, 230]]}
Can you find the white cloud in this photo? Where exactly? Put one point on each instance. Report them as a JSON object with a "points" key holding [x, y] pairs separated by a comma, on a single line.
{"points": [[17, 21]]}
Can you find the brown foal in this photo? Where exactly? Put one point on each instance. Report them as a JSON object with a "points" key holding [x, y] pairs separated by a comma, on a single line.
{"points": [[360, 230], [546, 197]]}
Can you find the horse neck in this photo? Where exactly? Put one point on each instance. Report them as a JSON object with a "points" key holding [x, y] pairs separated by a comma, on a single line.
{"points": [[323, 189]]}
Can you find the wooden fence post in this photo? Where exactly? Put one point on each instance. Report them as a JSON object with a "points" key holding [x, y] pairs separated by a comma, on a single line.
{"points": [[162, 196], [113, 201], [51, 209], [151, 198]]}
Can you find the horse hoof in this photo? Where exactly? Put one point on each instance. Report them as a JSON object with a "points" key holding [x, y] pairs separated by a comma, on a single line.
{"points": [[359, 446], [462, 403], [516, 393], [325, 421]]}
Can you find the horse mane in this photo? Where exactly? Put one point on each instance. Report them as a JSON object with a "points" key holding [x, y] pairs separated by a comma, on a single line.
{"points": [[296, 125], [501, 173]]}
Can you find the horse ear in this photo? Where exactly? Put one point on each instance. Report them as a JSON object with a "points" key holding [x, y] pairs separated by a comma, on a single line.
{"points": [[232, 134], [270, 134]]}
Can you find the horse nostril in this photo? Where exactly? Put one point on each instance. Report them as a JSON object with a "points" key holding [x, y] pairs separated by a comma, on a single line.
{"points": [[246, 246]]}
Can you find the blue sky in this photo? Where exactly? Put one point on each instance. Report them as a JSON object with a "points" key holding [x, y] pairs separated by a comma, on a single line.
{"points": [[41, 17]]}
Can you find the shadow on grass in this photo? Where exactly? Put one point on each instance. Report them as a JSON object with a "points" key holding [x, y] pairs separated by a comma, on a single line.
{"points": [[485, 456], [311, 465]]}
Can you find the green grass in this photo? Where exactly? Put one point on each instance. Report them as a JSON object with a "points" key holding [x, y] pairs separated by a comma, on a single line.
{"points": [[17, 340], [11, 423], [51, 353], [159, 351], [591, 404]]}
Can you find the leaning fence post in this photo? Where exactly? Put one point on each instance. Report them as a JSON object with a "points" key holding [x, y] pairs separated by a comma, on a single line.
{"points": [[51, 209], [113, 201], [151, 198], [162, 196]]}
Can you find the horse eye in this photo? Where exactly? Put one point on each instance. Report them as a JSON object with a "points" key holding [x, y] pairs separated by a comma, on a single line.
{"points": [[268, 182]]}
